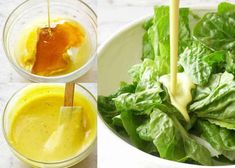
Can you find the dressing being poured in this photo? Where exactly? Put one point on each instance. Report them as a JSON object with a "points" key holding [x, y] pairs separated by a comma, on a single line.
{"points": [[179, 85], [182, 96], [49, 13], [174, 38]]}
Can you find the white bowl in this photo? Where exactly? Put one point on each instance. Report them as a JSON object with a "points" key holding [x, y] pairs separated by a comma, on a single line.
{"points": [[115, 57]]}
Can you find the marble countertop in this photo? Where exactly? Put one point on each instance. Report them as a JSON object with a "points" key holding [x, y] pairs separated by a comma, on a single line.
{"points": [[7, 159], [8, 74]]}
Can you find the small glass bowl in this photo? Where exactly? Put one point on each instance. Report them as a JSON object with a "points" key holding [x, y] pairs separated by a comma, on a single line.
{"points": [[7, 119], [32, 10]]}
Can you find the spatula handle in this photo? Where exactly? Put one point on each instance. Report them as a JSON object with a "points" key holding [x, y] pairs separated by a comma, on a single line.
{"points": [[69, 94]]}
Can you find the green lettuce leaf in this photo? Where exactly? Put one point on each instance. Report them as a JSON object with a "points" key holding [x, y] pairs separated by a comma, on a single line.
{"points": [[145, 75], [199, 62], [141, 102], [148, 51], [230, 62], [216, 31], [147, 92], [223, 124], [171, 139], [130, 124], [106, 105], [225, 7], [217, 100], [222, 139], [222, 161], [157, 37]]}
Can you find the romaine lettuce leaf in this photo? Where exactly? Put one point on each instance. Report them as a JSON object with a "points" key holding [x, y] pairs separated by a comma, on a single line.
{"points": [[157, 37], [130, 124], [106, 105], [225, 7], [222, 139], [223, 124], [171, 139], [145, 75], [148, 51], [141, 102], [217, 100], [199, 62], [216, 31], [230, 62], [147, 92]]}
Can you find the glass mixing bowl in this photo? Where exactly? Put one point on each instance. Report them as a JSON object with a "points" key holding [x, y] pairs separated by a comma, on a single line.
{"points": [[7, 120], [31, 10]]}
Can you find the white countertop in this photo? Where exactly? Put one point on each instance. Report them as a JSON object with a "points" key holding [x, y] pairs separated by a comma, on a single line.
{"points": [[7, 159], [113, 15], [8, 74]]}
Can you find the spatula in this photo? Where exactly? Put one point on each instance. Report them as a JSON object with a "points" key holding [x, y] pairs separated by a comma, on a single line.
{"points": [[70, 122], [68, 109]]}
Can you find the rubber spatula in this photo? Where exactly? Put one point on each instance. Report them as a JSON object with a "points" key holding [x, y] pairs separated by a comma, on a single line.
{"points": [[68, 110], [69, 124]]}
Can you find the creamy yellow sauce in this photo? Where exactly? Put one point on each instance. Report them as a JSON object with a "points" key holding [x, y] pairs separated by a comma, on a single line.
{"points": [[182, 96], [179, 85], [25, 48], [174, 38], [40, 132]]}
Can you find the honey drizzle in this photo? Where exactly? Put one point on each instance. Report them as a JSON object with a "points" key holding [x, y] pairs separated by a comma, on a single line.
{"points": [[49, 15], [51, 50], [51, 55]]}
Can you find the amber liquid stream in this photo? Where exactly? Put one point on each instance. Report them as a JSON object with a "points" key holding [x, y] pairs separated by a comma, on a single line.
{"points": [[52, 46]]}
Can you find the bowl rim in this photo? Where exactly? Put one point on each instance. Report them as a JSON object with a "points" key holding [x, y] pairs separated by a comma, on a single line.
{"points": [[112, 132], [79, 154], [37, 78]]}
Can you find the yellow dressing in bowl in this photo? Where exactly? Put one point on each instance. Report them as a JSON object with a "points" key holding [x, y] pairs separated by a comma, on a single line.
{"points": [[37, 131]]}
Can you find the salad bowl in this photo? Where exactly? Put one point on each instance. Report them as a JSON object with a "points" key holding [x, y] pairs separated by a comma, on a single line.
{"points": [[115, 57]]}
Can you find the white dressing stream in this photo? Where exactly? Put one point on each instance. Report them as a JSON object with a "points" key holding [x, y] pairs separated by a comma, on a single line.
{"points": [[182, 96], [179, 85], [174, 38]]}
